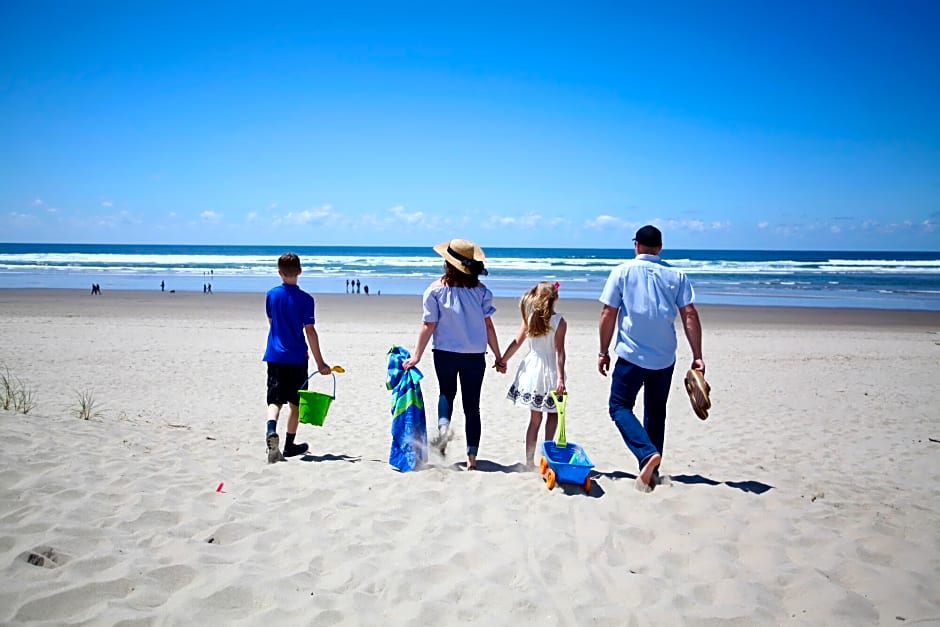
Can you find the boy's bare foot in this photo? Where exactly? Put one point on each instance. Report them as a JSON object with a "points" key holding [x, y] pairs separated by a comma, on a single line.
{"points": [[645, 481], [274, 448]]}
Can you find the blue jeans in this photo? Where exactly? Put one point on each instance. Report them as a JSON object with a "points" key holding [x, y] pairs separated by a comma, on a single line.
{"points": [[627, 379], [469, 368]]}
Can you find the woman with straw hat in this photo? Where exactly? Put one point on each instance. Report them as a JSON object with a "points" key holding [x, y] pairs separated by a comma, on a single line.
{"points": [[457, 315]]}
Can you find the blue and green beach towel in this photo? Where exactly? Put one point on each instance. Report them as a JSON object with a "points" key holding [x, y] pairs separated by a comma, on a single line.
{"points": [[409, 431]]}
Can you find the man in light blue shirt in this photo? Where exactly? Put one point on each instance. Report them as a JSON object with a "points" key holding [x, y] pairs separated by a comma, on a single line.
{"points": [[641, 300]]}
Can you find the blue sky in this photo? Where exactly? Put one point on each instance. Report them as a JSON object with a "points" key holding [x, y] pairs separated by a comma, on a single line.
{"points": [[804, 125]]}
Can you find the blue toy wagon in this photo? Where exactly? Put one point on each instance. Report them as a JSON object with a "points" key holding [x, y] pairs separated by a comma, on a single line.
{"points": [[563, 461]]}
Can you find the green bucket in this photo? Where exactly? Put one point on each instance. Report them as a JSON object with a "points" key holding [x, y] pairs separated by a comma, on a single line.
{"points": [[314, 405]]}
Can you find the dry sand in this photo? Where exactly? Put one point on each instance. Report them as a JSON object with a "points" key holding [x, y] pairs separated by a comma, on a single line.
{"points": [[809, 496]]}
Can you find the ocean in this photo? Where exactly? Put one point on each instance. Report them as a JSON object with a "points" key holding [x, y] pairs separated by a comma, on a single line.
{"points": [[883, 280]]}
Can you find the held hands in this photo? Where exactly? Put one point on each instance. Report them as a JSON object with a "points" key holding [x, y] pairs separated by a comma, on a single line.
{"points": [[499, 365]]}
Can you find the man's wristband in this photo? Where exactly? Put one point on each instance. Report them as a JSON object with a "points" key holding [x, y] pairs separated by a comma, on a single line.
{"points": [[603, 354]]}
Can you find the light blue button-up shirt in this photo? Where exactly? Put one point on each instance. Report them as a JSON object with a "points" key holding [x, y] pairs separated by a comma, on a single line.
{"points": [[649, 293], [460, 314]]}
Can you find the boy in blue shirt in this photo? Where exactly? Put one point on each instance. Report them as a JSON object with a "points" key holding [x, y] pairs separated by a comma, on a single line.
{"points": [[291, 327]]}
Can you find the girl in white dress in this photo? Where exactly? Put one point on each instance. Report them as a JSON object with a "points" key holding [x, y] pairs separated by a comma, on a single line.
{"points": [[543, 368]]}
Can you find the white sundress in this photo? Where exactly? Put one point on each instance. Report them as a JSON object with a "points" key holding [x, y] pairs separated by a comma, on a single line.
{"points": [[538, 373]]}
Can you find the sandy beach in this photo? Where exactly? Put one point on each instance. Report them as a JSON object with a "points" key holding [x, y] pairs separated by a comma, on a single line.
{"points": [[811, 495]]}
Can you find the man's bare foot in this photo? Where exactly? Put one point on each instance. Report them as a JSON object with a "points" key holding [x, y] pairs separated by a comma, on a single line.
{"points": [[645, 481], [471, 462]]}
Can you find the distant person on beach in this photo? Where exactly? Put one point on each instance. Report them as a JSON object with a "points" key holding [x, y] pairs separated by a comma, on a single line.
{"points": [[458, 313], [543, 368], [365, 288], [162, 286], [290, 313], [358, 285], [347, 286], [641, 299], [209, 286]]}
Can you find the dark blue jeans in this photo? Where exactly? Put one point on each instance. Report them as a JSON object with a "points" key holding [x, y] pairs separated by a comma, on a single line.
{"points": [[626, 381], [469, 368]]}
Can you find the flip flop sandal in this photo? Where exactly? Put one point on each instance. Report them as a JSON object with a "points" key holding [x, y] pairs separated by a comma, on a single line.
{"points": [[698, 389]]}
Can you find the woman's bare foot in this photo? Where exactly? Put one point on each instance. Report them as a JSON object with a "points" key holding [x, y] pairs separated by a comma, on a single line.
{"points": [[645, 481]]}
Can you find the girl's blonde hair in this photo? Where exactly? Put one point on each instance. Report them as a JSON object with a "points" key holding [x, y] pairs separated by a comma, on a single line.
{"points": [[537, 306]]}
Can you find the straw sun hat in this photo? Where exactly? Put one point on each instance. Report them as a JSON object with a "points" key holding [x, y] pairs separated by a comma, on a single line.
{"points": [[463, 255]]}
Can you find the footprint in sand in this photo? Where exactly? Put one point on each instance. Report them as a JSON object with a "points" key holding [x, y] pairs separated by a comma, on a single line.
{"points": [[45, 557]]}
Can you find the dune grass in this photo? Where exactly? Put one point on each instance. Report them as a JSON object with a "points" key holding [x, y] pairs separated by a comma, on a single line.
{"points": [[85, 407], [14, 394]]}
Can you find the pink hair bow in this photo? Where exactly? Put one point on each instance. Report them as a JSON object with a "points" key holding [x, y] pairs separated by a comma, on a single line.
{"points": [[557, 285]]}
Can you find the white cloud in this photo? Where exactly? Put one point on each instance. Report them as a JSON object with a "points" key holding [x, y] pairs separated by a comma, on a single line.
{"points": [[692, 226], [52, 210], [106, 203], [401, 215], [210, 216], [307, 216], [763, 225], [606, 222], [529, 220], [23, 218], [252, 217], [271, 207], [122, 218]]}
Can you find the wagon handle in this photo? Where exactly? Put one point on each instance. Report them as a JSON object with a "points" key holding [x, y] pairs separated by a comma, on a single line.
{"points": [[560, 403]]}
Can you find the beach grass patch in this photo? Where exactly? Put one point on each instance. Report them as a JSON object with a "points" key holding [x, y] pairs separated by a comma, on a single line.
{"points": [[85, 407], [14, 394]]}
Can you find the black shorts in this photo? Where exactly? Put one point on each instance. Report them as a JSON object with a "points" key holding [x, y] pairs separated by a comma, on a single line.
{"points": [[283, 382]]}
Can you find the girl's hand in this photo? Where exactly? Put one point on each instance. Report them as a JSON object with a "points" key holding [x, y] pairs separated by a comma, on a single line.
{"points": [[560, 388], [500, 366]]}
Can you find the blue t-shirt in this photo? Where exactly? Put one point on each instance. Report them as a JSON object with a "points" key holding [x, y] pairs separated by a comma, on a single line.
{"points": [[649, 293], [289, 308], [460, 314]]}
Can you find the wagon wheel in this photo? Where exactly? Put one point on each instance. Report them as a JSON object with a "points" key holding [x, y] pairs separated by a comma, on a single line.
{"points": [[543, 465], [587, 485], [550, 479]]}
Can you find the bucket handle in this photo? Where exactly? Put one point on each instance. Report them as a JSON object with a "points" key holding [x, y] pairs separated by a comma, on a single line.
{"points": [[315, 373]]}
